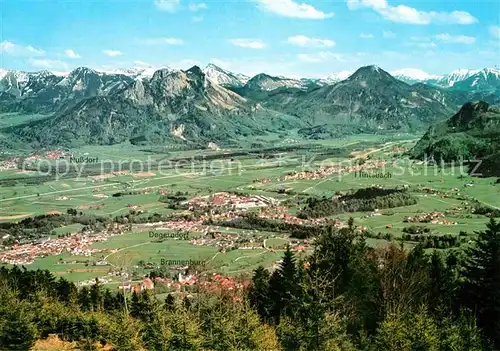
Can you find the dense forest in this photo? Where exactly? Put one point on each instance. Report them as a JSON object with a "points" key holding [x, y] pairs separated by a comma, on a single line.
{"points": [[367, 199], [344, 296]]}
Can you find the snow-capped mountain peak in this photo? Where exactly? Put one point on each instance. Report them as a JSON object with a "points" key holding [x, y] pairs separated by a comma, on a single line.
{"points": [[224, 77], [413, 74], [336, 77], [3, 72], [457, 75], [493, 71]]}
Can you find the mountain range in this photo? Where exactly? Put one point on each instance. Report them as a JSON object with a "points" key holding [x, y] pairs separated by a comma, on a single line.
{"points": [[198, 105], [473, 133], [461, 79], [171, 106]]}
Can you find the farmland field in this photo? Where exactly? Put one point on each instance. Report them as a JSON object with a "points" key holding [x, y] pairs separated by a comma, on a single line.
{"points": [[199, 173]]}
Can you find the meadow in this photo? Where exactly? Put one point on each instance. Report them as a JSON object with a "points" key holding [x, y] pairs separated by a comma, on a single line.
{"points": [[236, 170]]}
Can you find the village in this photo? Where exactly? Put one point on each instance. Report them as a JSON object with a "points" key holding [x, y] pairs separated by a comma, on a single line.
{"points": [[324, 172], [78, 244]]}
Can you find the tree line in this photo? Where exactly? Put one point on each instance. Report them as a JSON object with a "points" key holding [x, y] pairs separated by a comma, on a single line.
{"points": [[362, 200]]}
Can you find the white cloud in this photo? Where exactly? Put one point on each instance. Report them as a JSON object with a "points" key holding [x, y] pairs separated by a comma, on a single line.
{"points": [[197, 19], [495, 31], [161, 41], [302, 40], [290, 8], [167, 5], [48, 64], [112, 53], [458, 39], [406, 14], [320, 57], [366, 36], [248, 43], [388, 34], [71, 54], [197, 6], [19, 50]]}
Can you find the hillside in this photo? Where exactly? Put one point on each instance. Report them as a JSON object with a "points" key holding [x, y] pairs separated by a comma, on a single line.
{"points": [[487, 79], [225, 78], [370, 98], [44, 92], [471, 134], [173, 106]]}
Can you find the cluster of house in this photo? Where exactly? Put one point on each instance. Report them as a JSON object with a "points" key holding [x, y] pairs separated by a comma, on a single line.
{"points": [[77, 244], [263, 181], [225, 242], [431, 217], [101, 280], [324, 172], [280, 213], [9, 164], [219, 282], [231, 201], [163, 192], [440, 193], [213, 283], [182, 225], [13, 163], [137, 287], [49, 155]]}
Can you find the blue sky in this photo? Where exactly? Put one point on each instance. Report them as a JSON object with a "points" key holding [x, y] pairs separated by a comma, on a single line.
{"points": [[282, 37]]}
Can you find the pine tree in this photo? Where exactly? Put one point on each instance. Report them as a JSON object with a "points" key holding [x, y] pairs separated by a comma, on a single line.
{"points": [[481, 291], [84, 299], [135, 305], [170, 302], [258, 294], [146, 306], [186, 303], [96, 296], [284, 288], [17, 329], [108, 301], [332, 256]]}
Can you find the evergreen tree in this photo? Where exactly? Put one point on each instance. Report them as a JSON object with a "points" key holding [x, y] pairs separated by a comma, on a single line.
{"points": [[17, 329], [258, 294], [170, 302], [186, 303], [284, 288], [146, 306], [443, 283], [67, 292], [481, 290], [84, 299], [96, 296], [135, 305], [332, 256], [108, 301]]}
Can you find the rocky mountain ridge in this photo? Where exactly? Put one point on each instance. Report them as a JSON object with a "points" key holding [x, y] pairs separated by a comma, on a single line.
{"points": [[87, 106]]}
